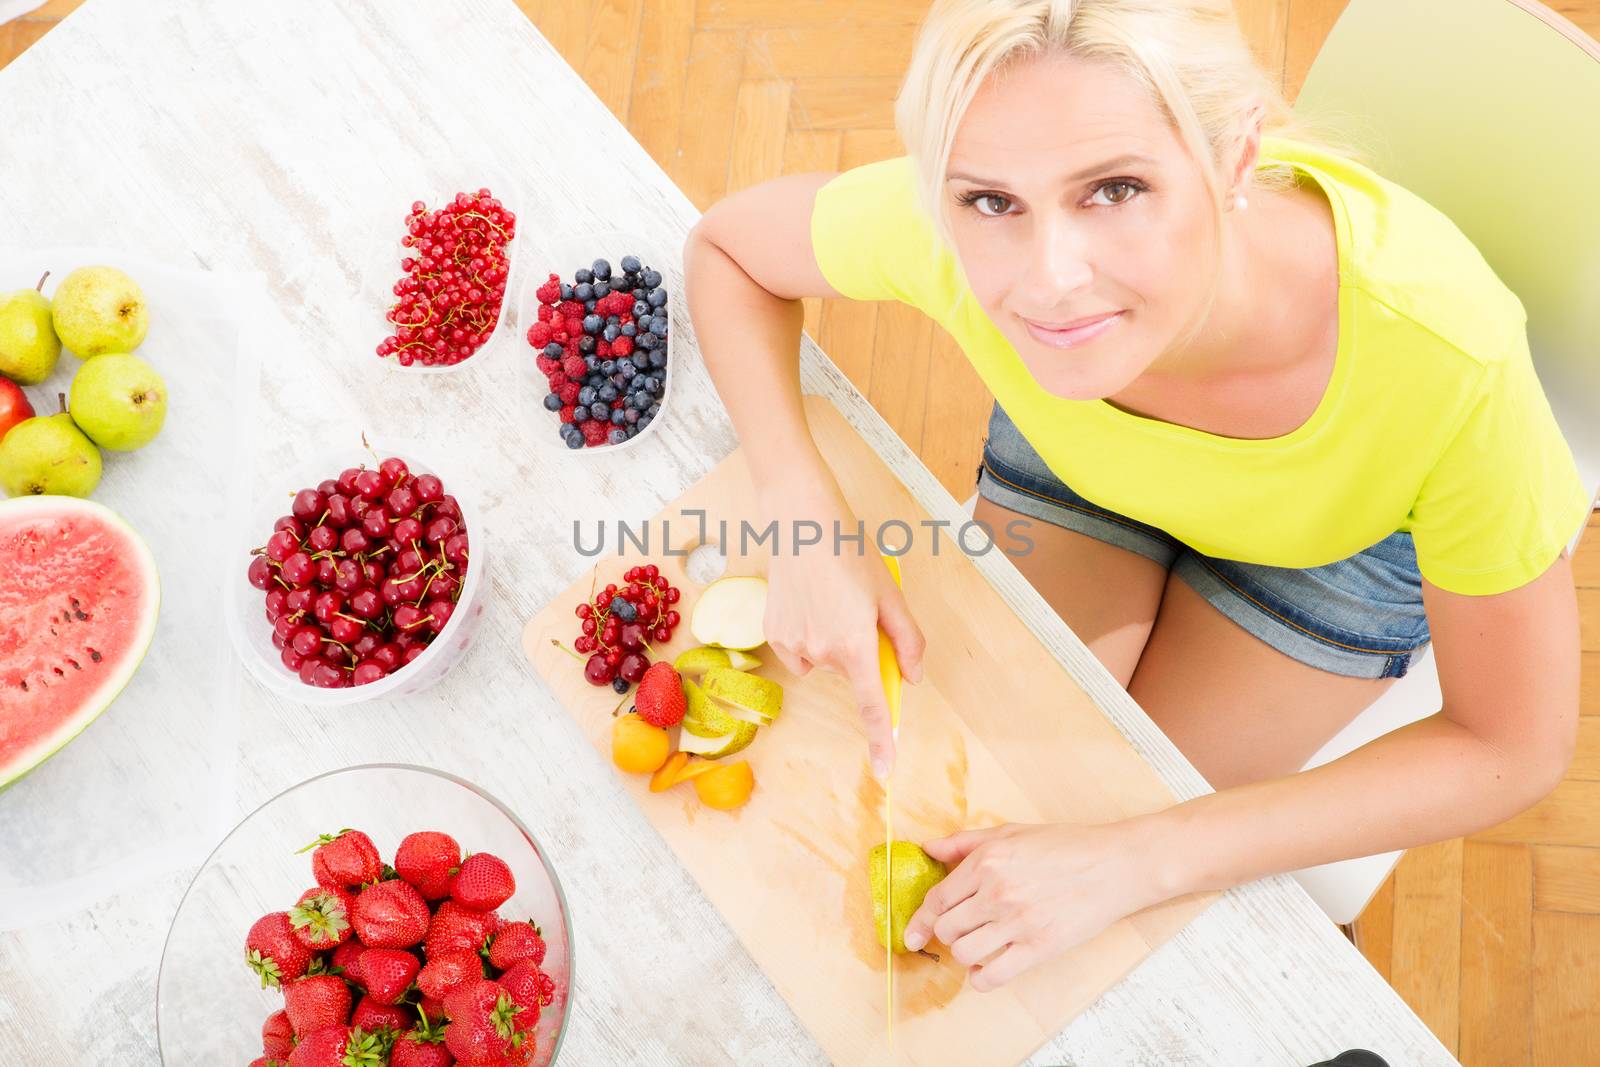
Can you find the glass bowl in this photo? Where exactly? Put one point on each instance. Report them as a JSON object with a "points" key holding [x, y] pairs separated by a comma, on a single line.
{"points": [[245, 613], [563, 256], [210, 1005]]}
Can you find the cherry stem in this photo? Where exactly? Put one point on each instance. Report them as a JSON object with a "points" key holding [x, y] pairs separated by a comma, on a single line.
{"points": [[621, 702], [568, 651]]}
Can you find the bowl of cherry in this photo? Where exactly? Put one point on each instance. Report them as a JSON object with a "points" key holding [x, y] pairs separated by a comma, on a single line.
{"points": [[361, 582]]}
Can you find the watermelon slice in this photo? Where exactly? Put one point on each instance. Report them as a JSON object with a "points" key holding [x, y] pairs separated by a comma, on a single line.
{"points": [[78, 607]]}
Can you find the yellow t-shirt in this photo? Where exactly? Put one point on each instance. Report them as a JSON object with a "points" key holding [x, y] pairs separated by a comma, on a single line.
{"points": [[1433, 422]]}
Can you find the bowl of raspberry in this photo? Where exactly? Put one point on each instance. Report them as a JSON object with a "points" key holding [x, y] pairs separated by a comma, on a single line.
{"points": [[361, 581], [596, 319], [382, 913], [439, 293]]}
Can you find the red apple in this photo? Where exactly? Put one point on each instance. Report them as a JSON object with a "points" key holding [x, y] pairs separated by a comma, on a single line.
{"points": [[14, 406]]}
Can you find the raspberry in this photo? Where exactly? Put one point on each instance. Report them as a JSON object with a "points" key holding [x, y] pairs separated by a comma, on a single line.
{"points": [[570, 349], [575, 327], [622, 346], [539, 334], [558, 335], [550, 291], [568, 410], [547, 366], [603, 349], [569, 395], [557, 379], [574, 367], [571, 309], [546, 312]]}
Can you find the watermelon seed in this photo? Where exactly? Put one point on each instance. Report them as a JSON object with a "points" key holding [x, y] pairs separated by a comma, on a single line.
{"points": [[94, 655], [75, 664]]}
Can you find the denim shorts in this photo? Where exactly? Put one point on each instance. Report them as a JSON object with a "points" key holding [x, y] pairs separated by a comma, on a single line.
{"points": [[1361, 617]]}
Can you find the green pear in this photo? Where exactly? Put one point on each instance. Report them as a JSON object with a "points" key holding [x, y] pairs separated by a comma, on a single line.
{"points": [[748, 697], [710, 731], [119, 401], [29, 346], [48, 454], [696, 661], [98, 310], [915, 872]]}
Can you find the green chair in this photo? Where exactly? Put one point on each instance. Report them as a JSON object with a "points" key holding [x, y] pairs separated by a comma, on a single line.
{"points": [[1490, 111]]}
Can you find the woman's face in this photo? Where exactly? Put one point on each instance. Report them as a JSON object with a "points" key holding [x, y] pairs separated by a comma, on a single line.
{"points": [[1081, 221]]}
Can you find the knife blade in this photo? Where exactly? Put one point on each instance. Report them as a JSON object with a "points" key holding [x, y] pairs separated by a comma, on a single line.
{"points": [[889, 674]]}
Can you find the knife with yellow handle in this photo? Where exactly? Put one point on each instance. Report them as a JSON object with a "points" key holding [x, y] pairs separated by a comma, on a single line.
{"points": [[889, 674]]}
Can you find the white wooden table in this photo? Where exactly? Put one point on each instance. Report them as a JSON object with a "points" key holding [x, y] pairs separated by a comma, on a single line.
{"points": [[249, 137]]}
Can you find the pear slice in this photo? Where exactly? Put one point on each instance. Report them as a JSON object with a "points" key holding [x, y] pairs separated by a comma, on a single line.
{"points": [[915, 872], [745, 696], [716, 747], [729, 613], [740, 660], [702, 716]]}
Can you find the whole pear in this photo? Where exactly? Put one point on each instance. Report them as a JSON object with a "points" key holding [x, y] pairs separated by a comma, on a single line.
{"points": [[119, 401], [48, 454], [915, 872], [98, 310], [29, 346]]}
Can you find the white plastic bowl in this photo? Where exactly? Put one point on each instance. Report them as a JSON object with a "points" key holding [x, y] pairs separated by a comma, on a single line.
{"points": [[246, 613], [381, 266], [563, 256]]}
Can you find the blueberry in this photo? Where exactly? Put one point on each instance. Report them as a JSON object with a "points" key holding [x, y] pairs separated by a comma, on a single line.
{"points": [[619, 684], [591, 364], [658, 325], [608, 393], [643, 422], [652, 411], [629, 329], [586, 396], [575, 440], [658, 359], [608, 366], [586, 344], [626, 369], [612, 320], [623, 609], [592, 323], [595, 380], [630, 415], [552, 402], [657, 298], [637, 292], [583, 274], [602, 289], [583, 291], [617, 380], [646, 341], [616, 437], [554, 350], [640, 309], [590, 304], [630, 264], [600, 410], [602, 269], [641, 360], [616, 416], [566, 291], [651, 278], [611, 332]]}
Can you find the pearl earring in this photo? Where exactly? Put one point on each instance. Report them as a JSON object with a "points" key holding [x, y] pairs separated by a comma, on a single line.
{"points": [[1240, 203]]}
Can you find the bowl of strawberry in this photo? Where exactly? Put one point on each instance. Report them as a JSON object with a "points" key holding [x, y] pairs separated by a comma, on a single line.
{"points": [[598, 342], [424, 927], [366, 587]]}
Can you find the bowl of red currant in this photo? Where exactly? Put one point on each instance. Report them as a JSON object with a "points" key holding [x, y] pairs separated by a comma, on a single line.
{"points": [[366, 584]]}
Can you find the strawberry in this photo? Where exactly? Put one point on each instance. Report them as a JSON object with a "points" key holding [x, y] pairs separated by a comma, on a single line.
{"points": [[515, 942], [345, 860], [347, 959], [277, 1035], [338, 1046], [483, 883], [266, 1061], [455, 927], [428, 859], [522, 983], [432, 1008], [390, 914], [386, 973], [316, 1002], [372, 1017], [446, 972], [660, 700], [321, 917], [484, 1022], [423, 1046], [272, 950]]}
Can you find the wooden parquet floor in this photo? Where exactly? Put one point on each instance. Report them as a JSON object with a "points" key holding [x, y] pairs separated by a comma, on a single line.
{"points": [[1494, 940]]}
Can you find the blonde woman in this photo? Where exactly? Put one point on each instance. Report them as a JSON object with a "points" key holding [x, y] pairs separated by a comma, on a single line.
{"points": [[1271, 419]]}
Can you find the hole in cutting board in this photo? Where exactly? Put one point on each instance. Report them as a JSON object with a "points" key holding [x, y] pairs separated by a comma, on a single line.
{"points": [[706, 563]]}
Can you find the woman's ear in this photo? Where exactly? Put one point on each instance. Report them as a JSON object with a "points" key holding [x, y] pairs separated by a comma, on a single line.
{"points": [[1249, 150]]}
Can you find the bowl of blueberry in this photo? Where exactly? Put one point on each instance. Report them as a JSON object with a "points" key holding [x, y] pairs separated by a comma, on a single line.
{"points": [[599, 342]]}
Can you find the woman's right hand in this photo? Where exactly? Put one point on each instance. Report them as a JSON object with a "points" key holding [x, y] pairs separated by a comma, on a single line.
{"points": [[824, 608]]}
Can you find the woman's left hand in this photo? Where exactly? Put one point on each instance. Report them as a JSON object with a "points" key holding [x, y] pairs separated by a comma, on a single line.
{"points": [[1018, 895]]}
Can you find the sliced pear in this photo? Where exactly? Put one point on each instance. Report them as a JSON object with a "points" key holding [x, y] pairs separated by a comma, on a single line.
{"points": [[745, 696], [702, 716], [693, 662], [741, 660], [729, 613], [716, 747]]}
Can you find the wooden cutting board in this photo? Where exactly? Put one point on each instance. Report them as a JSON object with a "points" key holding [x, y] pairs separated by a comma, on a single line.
{"points": [[996, 732]]}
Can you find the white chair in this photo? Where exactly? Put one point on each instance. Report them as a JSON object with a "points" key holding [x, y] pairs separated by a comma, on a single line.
{"points": [[1490, 111]]}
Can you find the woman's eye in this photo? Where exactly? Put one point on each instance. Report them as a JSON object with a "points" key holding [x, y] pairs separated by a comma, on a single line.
{"points": [[992, 205], [1127, 192]]}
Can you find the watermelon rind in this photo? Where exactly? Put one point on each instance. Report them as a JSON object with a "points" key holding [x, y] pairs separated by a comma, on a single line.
{"points": [[28, 508]]}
